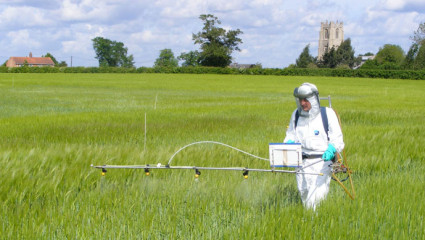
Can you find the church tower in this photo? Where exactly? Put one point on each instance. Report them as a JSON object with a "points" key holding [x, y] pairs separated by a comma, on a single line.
{"points": [[331, 35]]}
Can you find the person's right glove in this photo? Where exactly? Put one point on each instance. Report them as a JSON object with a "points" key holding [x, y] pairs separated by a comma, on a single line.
{"points": [[329, 154]]}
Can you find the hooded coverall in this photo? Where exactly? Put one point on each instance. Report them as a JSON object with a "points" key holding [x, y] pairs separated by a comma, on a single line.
{"points": [[314, 140]]}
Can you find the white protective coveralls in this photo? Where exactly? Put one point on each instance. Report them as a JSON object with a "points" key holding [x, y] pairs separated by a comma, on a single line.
{"points": [[311, 134]]}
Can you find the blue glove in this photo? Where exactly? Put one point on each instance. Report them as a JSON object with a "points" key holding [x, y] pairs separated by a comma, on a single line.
{"points": [[290, 141], [329, 154]]}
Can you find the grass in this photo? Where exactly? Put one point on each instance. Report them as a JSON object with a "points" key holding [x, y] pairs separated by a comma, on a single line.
{"points": [[53, 126]]}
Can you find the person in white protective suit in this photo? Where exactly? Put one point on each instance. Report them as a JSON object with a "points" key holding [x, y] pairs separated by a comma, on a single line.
{"points": [[316, 144]]}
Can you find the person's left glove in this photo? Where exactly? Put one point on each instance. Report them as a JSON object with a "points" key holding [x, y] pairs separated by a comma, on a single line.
{"points": [[329, 154]]}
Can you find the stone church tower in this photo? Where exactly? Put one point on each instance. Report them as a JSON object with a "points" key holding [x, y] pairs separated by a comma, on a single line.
{"points": [[331, 35]]}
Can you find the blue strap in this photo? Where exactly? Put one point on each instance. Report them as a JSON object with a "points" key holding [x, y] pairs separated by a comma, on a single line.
{"points": [[297, 115], [324, 119]]}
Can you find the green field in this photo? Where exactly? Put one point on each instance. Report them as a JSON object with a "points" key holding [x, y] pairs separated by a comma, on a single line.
{"points": [[53, 126]]}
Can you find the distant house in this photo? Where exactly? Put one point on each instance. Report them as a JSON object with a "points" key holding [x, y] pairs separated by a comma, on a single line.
{"points": [[30, 61], [242, 66], [364, 59]]}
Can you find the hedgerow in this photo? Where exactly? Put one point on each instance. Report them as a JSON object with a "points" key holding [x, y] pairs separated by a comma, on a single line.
{"points": [[325, 72]]}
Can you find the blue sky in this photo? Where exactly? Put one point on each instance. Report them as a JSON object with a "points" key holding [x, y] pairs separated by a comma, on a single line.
{"points": [[274, 31]]}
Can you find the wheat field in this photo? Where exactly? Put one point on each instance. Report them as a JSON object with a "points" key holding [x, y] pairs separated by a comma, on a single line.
{"points": [[54, 126]]}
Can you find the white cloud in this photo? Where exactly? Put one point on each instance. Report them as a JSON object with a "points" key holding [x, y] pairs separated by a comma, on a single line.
{"points": [[71, 46], [353, 29], [44, 4], [182, 9], [393, 4], [401, 5], [145, 36], [84, 10], [226, 5], [401, 24], [258, 3], [260, 23], [244, 52], [22, 39], [22, 17]]}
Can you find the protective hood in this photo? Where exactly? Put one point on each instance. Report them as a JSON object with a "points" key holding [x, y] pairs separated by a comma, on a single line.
{"points": [[308, 91]]}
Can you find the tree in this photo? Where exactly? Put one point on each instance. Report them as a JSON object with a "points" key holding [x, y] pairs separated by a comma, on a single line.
{"points": [[191, 58], [305, 58], [367, 54], [62, 64], [415, 57], [419, 62], [390, 53], [51, 57], [111, 53], [128, 62], [410, 56], [166, 59], [329, 59], [419, 35], [370, 64], [343, 55], [57, 64], [217, 44]]}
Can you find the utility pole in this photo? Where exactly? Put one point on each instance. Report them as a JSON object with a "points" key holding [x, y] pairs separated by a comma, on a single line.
{"points": [[71, 61]]}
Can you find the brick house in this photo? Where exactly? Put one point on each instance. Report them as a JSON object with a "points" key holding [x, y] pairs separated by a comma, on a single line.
{"points": [[30, 61]]}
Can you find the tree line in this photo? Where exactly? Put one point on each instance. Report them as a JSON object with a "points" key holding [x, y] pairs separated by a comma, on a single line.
{"points": [[216, 48], [217, 45], [389, 56]]}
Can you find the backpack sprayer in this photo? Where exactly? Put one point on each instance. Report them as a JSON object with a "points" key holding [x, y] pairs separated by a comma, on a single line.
{"points": [[281, 155]]}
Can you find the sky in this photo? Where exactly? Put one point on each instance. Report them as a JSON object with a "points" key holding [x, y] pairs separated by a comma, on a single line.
{"points": [[274, 31]]}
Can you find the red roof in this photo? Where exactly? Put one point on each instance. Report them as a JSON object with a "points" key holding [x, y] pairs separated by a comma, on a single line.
{"points": [[32, 60]]}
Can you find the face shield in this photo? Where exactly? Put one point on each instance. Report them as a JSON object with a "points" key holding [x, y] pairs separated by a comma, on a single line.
{"points": [[307, 91]]}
